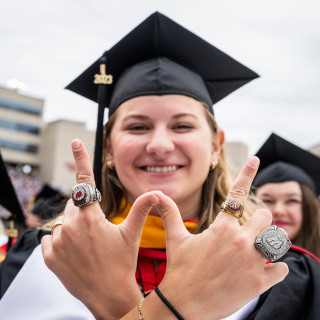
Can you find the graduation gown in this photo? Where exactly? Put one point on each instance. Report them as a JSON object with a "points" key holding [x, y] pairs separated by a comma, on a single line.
{"points": [[297, 297], [17, 256]]}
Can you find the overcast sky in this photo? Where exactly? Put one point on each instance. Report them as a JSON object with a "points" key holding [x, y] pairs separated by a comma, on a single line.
{"points": [[47, 43]]}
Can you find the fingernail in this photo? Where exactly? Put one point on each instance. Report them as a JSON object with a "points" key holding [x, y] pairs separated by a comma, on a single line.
{"points": [[76, 145], [254, 161]]}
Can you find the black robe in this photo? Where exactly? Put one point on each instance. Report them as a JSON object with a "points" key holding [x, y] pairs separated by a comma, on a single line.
{"points": [[18, 255], [297, 297]]}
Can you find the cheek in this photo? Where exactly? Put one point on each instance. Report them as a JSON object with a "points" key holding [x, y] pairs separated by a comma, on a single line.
{"points": [[199, 146], [297, 216], [124, 148]]}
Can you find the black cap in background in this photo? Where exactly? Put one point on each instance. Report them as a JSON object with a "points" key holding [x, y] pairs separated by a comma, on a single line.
{"points": [[48, 203], [172, 60], [281, 161]]}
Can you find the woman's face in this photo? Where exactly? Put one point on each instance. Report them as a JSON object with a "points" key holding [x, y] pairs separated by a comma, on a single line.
{"points": [[164, 143], [284, 200]]}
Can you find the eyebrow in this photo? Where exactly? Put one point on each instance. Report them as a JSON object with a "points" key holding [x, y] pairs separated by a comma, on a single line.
{"points": [[287, 195], [142, 117], [136, 116]]}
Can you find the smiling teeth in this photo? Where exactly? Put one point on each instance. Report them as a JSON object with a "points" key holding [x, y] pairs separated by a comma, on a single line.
{"points": [[162, 169]]}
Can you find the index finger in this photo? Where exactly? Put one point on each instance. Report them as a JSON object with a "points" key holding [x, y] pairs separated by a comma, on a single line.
{"points": [[240, 188], [84, 172]]}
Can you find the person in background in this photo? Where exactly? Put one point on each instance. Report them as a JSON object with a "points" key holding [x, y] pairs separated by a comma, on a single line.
{"points": [[288, 183], [14, 221], [45, 206]]}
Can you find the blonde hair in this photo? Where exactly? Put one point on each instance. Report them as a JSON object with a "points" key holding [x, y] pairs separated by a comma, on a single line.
{"points": [[214, 192]]}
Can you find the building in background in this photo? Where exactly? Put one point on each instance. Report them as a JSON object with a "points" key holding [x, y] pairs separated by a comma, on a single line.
{"points": [[57, 164], [237, 155], [35, 149], [315, 149], [21, 125]]}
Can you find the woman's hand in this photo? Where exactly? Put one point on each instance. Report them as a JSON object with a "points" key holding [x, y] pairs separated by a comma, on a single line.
{"points": [[93, 258], [213, 274]]}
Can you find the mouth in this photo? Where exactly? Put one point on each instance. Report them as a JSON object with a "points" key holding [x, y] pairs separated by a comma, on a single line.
{"points": [[161, 169], [281, 223]]}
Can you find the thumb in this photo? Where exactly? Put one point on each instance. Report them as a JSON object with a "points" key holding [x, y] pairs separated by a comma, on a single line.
{"points": [[171, 218], [137, 216]]}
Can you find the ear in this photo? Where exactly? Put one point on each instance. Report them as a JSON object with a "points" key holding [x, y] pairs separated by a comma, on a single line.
{"points": [[109, 151], [217, 144]]}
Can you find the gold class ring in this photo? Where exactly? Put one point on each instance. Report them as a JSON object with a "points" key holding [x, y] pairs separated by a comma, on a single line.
{"points": [[58, 223], [233, 207]]}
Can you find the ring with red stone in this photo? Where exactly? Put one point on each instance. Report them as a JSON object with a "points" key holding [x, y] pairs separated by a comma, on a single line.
{"points": [[233, 207], [272, 243], [84, 194]]}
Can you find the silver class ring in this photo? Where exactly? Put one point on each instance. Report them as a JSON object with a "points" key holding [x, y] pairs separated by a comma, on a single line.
{"points": [[272, 243], [84, 194]]}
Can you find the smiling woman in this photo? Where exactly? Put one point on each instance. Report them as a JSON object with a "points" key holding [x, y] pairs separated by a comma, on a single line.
{"points": [[288, 183], [284, 200], [153, 144]]}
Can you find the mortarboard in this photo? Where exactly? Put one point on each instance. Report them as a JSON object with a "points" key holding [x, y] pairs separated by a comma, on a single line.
{"points": [[158, 57], [281, 161], [48, 203]]}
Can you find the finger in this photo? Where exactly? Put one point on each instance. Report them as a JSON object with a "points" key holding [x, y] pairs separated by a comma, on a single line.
{"points": [[276, 272], [258, 222], [70, 210], [171, 217], [138, 213], [241, 186], [56, 228], [84, 172], [46, 247]]}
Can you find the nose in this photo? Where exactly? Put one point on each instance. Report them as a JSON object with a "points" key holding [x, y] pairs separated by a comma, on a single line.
{"points": [[278, 209], [160, 142]]}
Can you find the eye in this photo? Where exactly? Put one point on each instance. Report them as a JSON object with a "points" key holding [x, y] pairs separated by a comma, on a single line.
{"points": [[138, 127], [293, 201], [267, 201], [183, 127]]}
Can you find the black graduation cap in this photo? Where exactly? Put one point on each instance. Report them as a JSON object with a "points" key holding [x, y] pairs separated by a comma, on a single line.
{"points": [[281, 161], [8, 197], [158, 57], [48, 203]]}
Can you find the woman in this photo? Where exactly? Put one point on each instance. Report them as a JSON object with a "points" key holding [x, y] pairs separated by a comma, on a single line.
{"points": [[161, 135], [288, 183], [161, 140]]}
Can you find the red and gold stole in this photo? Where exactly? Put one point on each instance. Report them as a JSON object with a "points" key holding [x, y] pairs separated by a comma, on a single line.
{"points": [[152, 246]]}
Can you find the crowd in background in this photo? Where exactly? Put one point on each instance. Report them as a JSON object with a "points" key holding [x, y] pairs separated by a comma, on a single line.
{"points": [[26, 186]]}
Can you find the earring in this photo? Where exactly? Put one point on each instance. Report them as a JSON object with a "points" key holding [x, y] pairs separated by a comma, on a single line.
{"points": [[109, 165], [213, 165]]}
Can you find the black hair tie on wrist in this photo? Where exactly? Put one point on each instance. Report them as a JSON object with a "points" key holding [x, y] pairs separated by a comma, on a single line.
{"points": [[168, 304]]}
